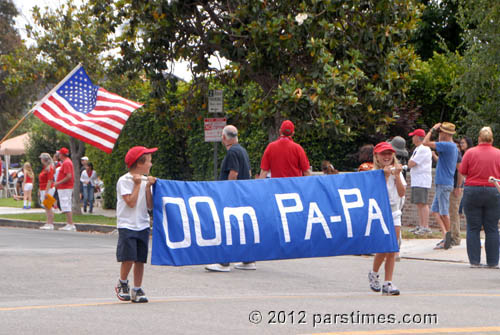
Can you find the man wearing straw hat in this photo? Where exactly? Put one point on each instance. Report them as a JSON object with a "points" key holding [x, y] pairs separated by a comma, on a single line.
{"points": [[445, 170]]}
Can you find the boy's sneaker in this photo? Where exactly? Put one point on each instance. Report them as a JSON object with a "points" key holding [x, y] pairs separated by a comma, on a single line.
{"points": [[139, 295], [47, 226], [218, 268], [414, 230], [374, 281], [122, 291], [390, 289], [68, 227], [246, 266]]}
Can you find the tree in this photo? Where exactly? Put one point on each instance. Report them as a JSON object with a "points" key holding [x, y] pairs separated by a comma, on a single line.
{"points": [[438, 29], [9, 41], [338, 67], [479, 84], [63, 38]]}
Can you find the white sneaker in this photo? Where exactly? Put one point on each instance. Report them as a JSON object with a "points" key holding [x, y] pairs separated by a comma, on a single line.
{"points": [[246, 266], [374, 281], [68, 227], [47, 226], [218, 268]]}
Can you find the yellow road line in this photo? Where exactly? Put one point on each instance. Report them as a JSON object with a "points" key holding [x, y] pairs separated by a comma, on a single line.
{"points": [[253, 297], [469, 330]]}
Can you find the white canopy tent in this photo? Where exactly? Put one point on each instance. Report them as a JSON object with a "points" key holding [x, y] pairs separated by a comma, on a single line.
{"points": [[12, 147]]}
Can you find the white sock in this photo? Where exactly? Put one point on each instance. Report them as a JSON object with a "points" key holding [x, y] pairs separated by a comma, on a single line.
{"points": [[124, 281], [387, 282], [375, 273], [25, 203], [137, 288]]}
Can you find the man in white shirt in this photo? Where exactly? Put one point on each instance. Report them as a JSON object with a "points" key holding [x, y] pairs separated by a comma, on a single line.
{"points": [[420, 164]]}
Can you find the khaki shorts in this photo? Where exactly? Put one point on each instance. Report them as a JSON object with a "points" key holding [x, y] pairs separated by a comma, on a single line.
{"points": [[65, 199]]}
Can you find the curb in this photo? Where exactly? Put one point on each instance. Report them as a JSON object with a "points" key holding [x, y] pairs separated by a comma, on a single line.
{"points": [[83, 227]]}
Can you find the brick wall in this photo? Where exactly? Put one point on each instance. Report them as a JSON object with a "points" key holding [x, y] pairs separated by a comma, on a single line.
{"points": [[410, 214]]}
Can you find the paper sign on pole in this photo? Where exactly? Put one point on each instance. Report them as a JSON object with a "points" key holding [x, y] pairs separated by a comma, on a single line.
{"points": [[213, 129], [215, 101]]}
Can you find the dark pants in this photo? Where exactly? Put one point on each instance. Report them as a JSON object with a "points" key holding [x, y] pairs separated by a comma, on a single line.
{"points": [[482, 210]]}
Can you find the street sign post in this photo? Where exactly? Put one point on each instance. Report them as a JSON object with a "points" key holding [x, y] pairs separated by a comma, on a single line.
{"points": [[215, 101]]}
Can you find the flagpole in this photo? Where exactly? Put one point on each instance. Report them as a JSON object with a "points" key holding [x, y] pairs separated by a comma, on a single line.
{"points": [[40, 102]]}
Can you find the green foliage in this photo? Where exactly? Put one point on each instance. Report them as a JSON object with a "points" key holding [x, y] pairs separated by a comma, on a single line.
{"points": [[438, 29], [432, 89], [479, 85]]}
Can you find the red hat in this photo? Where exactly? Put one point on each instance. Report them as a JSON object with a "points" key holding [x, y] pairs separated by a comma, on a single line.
{"points": [[287, 128], [418, 132], [383, 146], [64, 151], [135, 153]]}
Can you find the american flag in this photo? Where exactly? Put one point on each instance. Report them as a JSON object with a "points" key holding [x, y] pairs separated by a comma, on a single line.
{"points": [[82, 110]]}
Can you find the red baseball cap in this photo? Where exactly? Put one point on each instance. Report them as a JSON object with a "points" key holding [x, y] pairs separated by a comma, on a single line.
{"points": [[135, 153], [287, 128], [383, 146], [64, 151], [418, 132]]}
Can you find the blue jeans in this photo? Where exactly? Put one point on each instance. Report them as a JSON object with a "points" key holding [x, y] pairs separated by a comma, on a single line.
{"points": [[441, 202], [88, 197], [482, 209]]}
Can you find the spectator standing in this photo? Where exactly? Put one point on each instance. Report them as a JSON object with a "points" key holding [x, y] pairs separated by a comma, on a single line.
{"points": [[235, 166], [88, 180], [134, 199], [445, 170], [284, 157], [27, 185], [455, 200], [481, 199], [84, 161], [385, 158], [46, 186], [399, 144], [465, 144], [420, 165], [64, 184], [365, 157], [328, 168]]}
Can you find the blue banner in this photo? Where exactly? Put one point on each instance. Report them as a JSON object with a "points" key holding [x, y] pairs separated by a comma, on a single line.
{"points": [[266, 219]]}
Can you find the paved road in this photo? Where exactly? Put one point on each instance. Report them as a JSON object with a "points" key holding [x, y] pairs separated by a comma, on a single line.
{"points": [[56, 282]]}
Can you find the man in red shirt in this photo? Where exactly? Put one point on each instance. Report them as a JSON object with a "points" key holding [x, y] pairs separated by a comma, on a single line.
{"points": [[284, 157], [64, 185]]}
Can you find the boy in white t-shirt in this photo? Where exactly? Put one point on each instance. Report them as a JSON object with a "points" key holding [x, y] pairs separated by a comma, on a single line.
{"points": [[134, 199]]}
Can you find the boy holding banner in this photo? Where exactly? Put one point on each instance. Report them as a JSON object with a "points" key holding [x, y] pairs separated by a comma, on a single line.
{"points": [[384, 157], [134, 199]]}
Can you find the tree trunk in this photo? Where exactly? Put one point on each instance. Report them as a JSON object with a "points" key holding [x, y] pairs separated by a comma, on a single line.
{"points": [[77, 149]]}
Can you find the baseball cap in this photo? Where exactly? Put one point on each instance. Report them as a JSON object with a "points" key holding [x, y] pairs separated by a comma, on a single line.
{"points": [[64, 151], [418, 132], [383, 146], [84, 158], [135, 153], [287, 128]]}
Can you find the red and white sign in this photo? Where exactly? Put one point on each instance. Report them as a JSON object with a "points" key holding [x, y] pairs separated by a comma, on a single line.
{"points": [[213, 129]]}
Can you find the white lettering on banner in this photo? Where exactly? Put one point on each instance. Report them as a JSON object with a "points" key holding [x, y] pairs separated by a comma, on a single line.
{"points": [[349, 205], [315, 216], [186, 242], [290, 209], [217, 240], [239, 213], [372, 204]]}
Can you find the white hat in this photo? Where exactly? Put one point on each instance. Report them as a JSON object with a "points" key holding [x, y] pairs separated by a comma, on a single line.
{"points": [[84, 158]]}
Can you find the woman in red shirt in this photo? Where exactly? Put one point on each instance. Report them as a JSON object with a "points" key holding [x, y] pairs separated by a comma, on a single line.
{"points": [[27, 184], [46, 181], [481, 199]]}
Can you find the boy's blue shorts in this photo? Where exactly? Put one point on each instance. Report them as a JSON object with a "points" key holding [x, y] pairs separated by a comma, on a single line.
{"points": [[132, 245]]}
